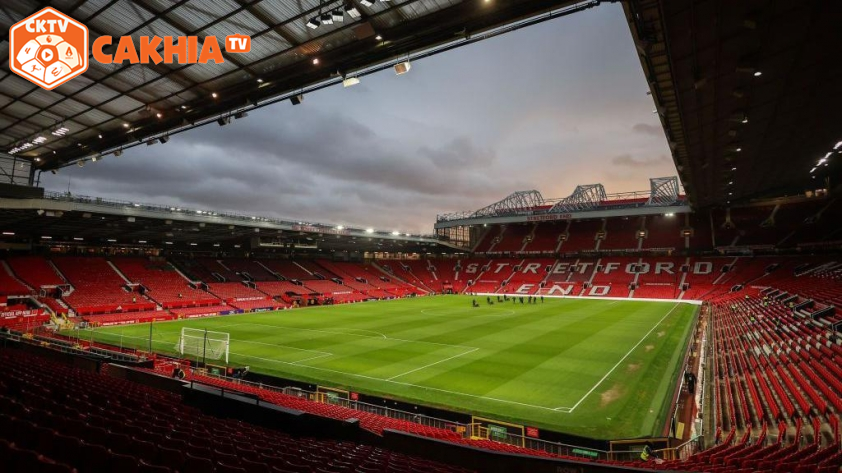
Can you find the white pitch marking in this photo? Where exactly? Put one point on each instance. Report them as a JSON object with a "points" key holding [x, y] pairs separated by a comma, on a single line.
{"points": [[624, 357], [357, 335], [432, 364]]}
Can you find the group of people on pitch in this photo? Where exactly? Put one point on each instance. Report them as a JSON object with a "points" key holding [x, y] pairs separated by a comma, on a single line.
{"points": [[505, 298]]}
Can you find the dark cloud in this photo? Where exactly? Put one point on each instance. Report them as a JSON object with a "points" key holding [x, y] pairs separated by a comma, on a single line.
{"points": [[651, 130], [462, 130]]}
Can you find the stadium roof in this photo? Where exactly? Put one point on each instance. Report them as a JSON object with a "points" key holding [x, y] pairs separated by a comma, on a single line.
{"points": [[748, 92], [117, 105], [79, 220]]}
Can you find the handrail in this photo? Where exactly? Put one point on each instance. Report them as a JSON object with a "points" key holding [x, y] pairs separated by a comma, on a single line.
{"points": [[529, 443]]}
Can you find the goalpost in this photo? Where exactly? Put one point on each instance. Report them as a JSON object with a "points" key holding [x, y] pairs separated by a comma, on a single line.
{"points": [[202, 343]]}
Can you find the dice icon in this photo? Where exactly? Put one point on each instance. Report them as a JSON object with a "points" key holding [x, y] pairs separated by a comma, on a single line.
{"points": [[48, 48]]}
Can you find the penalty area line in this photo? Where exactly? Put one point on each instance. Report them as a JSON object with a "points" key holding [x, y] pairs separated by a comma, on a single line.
{"points": [[432, 364], [624, 357]]}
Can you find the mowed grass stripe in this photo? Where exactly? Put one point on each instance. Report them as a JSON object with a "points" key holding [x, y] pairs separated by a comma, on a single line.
{"points": [[508, 361]]}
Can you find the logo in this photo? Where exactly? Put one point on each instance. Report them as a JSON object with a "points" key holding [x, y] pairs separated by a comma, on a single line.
{"points": [[237, 43], [48, 48]]}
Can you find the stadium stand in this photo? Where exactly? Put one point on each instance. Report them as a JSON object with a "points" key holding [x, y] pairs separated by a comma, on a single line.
{"points": [[61, 419], [514, 238], [403, 272], [659, 278], [163, 283], [545, 238], [288, 269], [35, 271], [621, 234], [98, 289], [235, 291], [281, 288], [10, 285], [249, 269], [581, 236], [664, 232]]}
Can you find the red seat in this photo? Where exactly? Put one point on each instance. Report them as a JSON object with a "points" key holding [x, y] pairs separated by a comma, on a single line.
{"points": [[149, 468], [122, 463]]}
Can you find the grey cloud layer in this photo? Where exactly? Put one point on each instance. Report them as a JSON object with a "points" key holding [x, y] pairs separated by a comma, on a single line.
{"points": [[459, 132]]}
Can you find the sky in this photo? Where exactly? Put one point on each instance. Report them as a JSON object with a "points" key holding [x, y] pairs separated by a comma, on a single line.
{"points": [[545, 107]]}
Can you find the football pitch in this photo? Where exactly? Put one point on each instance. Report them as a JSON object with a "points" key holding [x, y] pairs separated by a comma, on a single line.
{"points": [[598, 368]]}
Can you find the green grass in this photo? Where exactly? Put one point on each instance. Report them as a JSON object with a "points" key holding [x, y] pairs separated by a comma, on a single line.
{"points": [[597, 368]]}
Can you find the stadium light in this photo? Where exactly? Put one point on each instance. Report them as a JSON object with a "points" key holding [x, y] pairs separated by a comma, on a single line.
{"points": [[350, 81], [314, 23], [340, 227], [240, 115], [327, 19], [297, 99], [396, 233], [402, 68], [352, 11], [758, 73], [223, 121], [338, 15], [369, 230], [366, 3]]}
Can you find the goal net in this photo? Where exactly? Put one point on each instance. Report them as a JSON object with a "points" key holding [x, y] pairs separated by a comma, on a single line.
{"points": [[195, 343]]}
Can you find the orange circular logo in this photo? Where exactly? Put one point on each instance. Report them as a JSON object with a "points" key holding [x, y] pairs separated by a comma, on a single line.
{"points": [[48, 48]]}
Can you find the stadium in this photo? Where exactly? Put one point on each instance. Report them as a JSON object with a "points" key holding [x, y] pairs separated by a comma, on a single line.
{"points": [[689, 325]]}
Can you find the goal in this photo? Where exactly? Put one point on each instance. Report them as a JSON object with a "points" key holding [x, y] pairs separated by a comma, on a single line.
{"points": [[195, 343]]}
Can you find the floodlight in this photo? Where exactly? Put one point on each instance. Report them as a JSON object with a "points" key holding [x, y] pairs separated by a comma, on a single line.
{"points": [[338, 15], [314, 23], [350, 81], [402, 67], [352, 11], [326, 18], [223, 121]]}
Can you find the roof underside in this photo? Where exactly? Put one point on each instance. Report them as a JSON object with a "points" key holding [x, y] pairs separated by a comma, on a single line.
{"points": [[737, 135], [120, 102]]}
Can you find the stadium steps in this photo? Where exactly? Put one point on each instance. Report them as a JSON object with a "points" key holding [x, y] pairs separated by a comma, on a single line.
{"points": [[418, 284], [119, 273], [70, 289]]}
